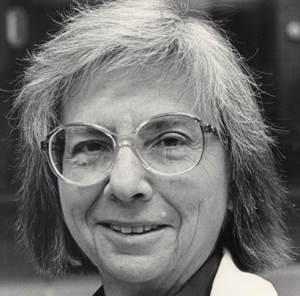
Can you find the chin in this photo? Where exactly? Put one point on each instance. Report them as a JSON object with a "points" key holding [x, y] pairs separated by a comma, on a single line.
{"points": [[134, 269]]}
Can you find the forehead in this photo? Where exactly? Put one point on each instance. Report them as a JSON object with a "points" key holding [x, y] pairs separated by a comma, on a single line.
{"points": [[102, 99]]}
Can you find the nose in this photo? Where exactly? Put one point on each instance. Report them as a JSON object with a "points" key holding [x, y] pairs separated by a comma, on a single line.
{"points": [[127, 179]]}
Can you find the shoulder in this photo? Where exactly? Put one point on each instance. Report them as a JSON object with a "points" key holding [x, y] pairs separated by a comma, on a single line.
{"points": [[230, 281]]}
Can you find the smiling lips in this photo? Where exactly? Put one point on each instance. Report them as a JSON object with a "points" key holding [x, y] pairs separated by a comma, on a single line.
{"points": [[133, 229]]}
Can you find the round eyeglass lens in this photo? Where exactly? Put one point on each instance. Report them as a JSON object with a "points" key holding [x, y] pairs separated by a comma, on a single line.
{"points": [[170, 144], [81, 154]]}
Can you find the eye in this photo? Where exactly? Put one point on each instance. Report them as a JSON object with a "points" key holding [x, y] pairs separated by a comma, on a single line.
{"points": [[91, 147], [171, 140], [95, 147]]}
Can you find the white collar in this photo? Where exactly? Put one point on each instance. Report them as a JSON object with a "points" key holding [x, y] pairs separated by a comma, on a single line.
{"points": [[230, 281]]}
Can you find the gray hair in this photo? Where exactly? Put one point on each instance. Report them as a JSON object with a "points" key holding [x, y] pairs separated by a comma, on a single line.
{"points": [[135, 35]]}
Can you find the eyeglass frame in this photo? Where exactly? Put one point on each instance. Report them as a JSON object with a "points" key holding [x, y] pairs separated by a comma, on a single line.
{"points": [[121, 140]]}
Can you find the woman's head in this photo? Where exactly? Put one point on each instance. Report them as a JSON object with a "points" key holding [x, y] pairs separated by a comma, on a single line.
{"points": [[159, 51], [141, 221]]}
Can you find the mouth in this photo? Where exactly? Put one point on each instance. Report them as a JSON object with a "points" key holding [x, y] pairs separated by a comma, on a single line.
{"points": [[139, 229]]}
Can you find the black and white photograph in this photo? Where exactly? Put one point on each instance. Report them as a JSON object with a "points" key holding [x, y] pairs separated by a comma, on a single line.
{"points": [[150, 148]]}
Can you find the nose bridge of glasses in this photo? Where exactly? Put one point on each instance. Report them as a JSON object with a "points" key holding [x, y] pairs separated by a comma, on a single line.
{"points": [[126, 140]]}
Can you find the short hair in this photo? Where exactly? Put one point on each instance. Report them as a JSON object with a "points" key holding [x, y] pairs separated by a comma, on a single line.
{"points": [[138, 35]]}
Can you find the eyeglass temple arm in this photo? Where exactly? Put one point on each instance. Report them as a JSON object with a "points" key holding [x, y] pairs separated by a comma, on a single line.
{"points": [[210, 129], [45, 145]]}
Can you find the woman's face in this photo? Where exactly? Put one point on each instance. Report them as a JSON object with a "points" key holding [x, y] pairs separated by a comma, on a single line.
{"points": [[110, 220]]}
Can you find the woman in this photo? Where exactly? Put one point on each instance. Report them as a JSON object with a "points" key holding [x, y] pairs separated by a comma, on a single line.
{"points": [[144, 156]]}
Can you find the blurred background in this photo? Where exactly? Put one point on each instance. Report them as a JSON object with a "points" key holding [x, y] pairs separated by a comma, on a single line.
{"points": [[265, 32]]}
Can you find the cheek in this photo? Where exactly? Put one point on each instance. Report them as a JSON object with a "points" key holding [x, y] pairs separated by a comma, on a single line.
{"points": [[77, 202], [200, 198], [213, 193], [200, 194]]}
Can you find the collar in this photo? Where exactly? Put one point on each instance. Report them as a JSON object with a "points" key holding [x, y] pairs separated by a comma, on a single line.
{"points": [[230, 281]]}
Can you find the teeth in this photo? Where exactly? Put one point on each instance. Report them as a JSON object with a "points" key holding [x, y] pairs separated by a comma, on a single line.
{"points": [[138, 229], [147, 227], [126, 229], [116, 227], [134, 229]]}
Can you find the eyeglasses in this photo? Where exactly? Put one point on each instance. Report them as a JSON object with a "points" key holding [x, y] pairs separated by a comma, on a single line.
{"points": [[167, 144]]}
